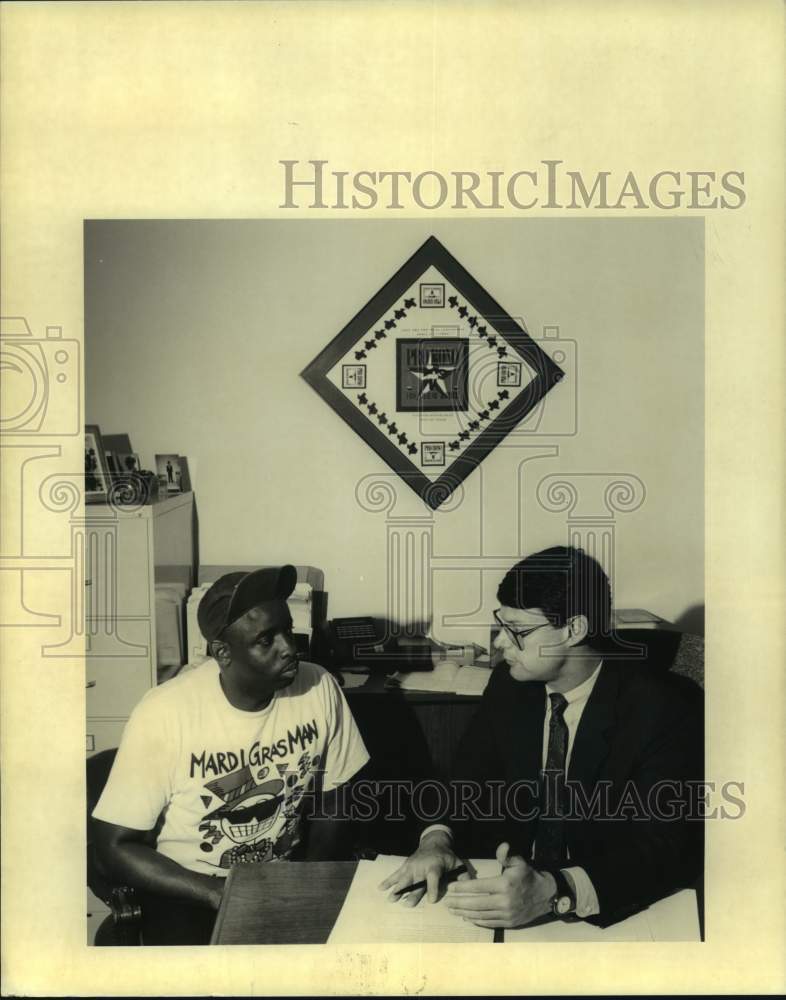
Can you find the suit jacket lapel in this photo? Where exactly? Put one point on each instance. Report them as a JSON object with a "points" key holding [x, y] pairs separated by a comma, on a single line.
{"points": [[527, 706], [591, 745], [526, 757]]}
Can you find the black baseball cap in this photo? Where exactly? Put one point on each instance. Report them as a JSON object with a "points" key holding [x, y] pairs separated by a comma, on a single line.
{"points": [[233, 595]]}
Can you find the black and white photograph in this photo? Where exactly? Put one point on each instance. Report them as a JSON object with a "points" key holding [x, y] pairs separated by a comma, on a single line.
{"points": [[556, 592], [392, 464], [168, 469], [128, 463]]}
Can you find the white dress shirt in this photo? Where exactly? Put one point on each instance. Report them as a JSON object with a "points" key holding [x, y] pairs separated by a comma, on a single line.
{"points": [[586, 898]]}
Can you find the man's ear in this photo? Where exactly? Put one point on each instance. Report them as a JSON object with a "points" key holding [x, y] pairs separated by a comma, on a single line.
{"points": [[578, 627], [219, 650]]}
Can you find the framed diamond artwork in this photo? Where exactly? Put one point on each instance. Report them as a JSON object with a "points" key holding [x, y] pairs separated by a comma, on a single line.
{"points": [[432, 373]]}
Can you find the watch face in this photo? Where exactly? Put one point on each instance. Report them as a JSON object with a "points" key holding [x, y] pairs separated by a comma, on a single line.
{"points": [[563, 904]]}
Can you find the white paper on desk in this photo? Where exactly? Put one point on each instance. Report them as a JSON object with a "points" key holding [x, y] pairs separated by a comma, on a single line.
{"points": [[448, 678], [368, 918], [441, 679], [675, 918], [672, 919]]}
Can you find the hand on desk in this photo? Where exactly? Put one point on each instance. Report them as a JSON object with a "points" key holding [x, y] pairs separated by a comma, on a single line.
{"points": [[518, 896], [433, 859]]}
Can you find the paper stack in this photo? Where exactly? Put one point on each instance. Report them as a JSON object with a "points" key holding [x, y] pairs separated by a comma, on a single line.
{"points": [[300, 607], [197, 645], [170, 638], [448, 678]]}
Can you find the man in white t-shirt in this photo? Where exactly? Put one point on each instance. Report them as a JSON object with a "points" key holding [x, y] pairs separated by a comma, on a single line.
{"points": [[216, 766]]}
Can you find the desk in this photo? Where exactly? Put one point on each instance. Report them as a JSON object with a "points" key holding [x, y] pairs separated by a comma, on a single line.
{"points": [[298, 903], [284, 903], [419, 731], [411, 737]]}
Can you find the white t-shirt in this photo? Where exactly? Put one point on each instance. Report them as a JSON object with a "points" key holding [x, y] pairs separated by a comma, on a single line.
{"points": [[230, 783]]}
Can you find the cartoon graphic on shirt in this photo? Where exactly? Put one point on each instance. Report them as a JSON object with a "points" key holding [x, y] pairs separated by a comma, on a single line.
{"points": [[252, 805]]}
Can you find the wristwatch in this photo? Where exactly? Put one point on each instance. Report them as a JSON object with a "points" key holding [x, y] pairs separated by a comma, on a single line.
{"points": [[563, 902]]}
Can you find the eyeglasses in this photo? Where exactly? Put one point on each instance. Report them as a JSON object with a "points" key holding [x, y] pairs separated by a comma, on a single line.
{"points": [[517, 635]]}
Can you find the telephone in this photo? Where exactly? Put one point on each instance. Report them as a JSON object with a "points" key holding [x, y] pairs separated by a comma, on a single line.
{"points": [[361, 642]]}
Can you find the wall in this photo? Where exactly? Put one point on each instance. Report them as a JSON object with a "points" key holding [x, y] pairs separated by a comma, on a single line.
{"points": [[195, 333]]}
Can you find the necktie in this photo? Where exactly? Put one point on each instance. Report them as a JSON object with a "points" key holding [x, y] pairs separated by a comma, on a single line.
{"points": [[550, 836]]}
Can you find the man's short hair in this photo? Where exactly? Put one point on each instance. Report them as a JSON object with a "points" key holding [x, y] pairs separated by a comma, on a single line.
{"points": [[563, 582]]}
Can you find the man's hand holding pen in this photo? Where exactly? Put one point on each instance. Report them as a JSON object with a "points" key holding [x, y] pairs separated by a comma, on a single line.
{"points": [[517, 896], [433, 859]]}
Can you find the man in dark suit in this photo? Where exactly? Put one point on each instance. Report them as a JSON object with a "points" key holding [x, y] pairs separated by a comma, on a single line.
{"points": [[579, 768]]}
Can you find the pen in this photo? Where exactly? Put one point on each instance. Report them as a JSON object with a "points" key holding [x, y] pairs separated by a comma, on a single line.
{"points": [[450, 877]]}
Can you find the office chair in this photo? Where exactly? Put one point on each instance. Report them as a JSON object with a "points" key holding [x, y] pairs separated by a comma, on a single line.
{"points": [[680, 653], [122, 926], [689, 661]]}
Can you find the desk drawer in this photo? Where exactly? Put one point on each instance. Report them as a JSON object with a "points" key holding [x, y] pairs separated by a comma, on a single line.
{"points": [[117, 688], [119, 667], [134, 571], [119, 568]]}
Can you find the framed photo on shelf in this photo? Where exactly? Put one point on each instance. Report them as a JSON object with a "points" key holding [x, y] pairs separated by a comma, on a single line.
{"points": [[111, 464], [168, 469], [97, 478], [185, 475], [127, 463], [118, 444]]}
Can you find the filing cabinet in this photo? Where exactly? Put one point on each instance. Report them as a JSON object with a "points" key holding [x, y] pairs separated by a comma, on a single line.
{"points": [[127, 551]]}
